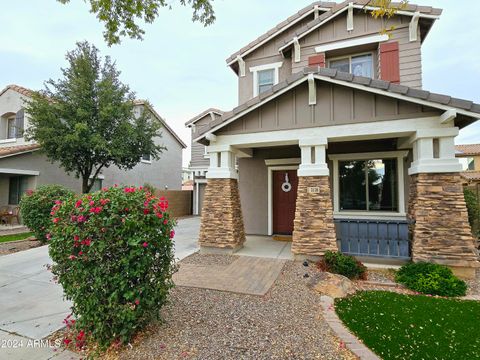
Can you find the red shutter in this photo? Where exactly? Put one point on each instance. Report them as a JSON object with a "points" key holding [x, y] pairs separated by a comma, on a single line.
{"points": [[317, 60], [390, 62]]}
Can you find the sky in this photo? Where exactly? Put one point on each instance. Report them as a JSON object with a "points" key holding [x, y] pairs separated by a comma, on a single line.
{"points": [[180, 65]]}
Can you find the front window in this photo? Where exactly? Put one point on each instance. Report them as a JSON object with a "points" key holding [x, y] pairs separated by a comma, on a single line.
{"points": [[146, 158], [11, 133], [359, 65], [470, 163], [368, 185], [17, 187], [266, 80]]}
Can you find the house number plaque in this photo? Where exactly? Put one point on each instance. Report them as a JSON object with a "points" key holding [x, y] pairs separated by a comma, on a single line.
{"points": [[313, 190]]}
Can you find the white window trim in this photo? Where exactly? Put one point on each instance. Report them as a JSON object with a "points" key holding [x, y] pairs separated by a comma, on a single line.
{"points": [[7, 141], [352, 43], [145, 161], [255, 69], [399, 155], [271, 169], [349, 57]]}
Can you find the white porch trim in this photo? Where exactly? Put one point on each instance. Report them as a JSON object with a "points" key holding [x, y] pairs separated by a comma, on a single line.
{"points": [[271, 169], [19, 172]]}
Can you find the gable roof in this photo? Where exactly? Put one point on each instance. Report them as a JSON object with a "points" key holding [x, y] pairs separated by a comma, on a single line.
{"points": [[19, 89], [471, 175], [466, 150], [17, 150], [466, 108], [410, 10], [164, 123], [281, 27], [202, 114]]}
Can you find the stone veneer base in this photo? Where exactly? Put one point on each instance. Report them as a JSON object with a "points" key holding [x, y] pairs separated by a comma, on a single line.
{"points": [[222, 221], [440, 231], [314, 229]]}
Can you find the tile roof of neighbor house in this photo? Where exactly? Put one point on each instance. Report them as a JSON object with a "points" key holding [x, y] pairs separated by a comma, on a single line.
{"points": [[466, 150], [17, 149], [162, 120], [333, 8], [202, 114], [20, 89], [346, 79], [471, 175]]}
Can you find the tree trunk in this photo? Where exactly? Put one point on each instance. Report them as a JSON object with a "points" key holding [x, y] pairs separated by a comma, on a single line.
{"points": [[85, 187]]}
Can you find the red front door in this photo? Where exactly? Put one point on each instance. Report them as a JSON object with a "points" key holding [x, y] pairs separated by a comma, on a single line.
{"points": [[284, 200]]}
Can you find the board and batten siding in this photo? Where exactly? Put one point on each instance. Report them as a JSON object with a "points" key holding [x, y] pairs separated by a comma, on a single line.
{"points": [[336, 105]]}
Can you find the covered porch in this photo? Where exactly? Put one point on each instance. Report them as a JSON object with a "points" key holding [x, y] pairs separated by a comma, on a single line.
{"points": [[13, 184]]}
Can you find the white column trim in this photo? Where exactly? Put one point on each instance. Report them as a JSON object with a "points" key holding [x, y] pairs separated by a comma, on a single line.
{"points": [[270, 193], [197, 187], [312, 90]]}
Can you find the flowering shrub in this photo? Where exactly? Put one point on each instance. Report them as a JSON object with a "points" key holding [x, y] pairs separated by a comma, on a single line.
{"points": [[338, 263], [113, 254], [36, 207], [432, 279]]}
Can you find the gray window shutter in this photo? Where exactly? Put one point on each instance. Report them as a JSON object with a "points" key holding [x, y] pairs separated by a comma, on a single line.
{"points": [[19, 122]]}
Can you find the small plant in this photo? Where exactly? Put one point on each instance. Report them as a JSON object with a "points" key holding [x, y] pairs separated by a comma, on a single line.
{"points": [[113, 254], [36, 207], [346, 265], [472, 207], [431, 279]]}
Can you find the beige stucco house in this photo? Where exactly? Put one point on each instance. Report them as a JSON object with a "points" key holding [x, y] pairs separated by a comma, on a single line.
{"points": [[335, 142], [24, 167]]}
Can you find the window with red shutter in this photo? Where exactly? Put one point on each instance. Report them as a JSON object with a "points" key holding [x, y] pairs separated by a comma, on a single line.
{"points": [[390, 62]]}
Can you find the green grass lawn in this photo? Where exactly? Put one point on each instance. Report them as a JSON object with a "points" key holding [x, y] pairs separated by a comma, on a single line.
{"points": [[14, 237], [398, 326]]}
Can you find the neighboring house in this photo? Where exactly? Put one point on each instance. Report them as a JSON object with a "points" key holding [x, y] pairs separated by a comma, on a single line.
{"points": [[337, 143], [199, 158], [24, 167], [469, 156]]}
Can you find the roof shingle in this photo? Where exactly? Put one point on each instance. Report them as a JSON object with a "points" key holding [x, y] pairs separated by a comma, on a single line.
{"points": [[17, 149], [466, 150]]}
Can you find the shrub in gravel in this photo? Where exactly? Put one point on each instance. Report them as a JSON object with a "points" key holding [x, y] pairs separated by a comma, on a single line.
{"points": [[338, 263], [113, 254], [36, 208], [432, 279]]}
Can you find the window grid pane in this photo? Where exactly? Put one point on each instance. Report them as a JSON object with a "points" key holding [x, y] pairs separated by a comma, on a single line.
{"points": [[341, 65], [266, 79], [362, 65]]}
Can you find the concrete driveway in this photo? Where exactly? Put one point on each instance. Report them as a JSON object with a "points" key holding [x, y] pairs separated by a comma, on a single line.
{"points": [[32, 306]]}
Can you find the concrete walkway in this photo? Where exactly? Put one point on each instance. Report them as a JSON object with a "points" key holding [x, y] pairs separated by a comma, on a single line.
{"points": [[32, 306], [246, 275]]}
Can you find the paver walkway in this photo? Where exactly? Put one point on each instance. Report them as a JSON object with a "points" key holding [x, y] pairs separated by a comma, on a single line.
{"points": [[246, 275]]}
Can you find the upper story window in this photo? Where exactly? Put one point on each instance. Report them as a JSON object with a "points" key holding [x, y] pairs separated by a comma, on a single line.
{"points": [[265, 77], [146, 158], [468, 163], [266, 80], [11, 129], [358, 65]]}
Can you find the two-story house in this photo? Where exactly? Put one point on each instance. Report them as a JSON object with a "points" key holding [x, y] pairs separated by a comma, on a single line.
{"points": [[23, 167], [335, 142]]}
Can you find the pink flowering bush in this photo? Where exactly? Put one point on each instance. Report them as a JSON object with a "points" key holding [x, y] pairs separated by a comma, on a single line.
{"points": [[113, 254], [36, 208]]}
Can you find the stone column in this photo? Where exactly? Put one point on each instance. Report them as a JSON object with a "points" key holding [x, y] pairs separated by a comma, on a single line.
{"points": [[222, 221], [439, 229], [314, 229]]}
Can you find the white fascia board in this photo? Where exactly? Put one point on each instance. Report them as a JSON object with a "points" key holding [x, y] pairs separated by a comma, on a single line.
{"points": [[399, 12], [289, 161], [370, 155], [352, 42], [276, 33], [19, 172]]}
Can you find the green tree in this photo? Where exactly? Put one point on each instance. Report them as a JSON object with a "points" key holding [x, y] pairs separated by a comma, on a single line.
{"points": [[88, 120], [121, 17]]}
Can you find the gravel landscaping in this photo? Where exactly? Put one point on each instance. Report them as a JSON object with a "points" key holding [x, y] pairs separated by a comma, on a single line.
{"points": [[474, 285], [209, 324], [16, 246]]}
